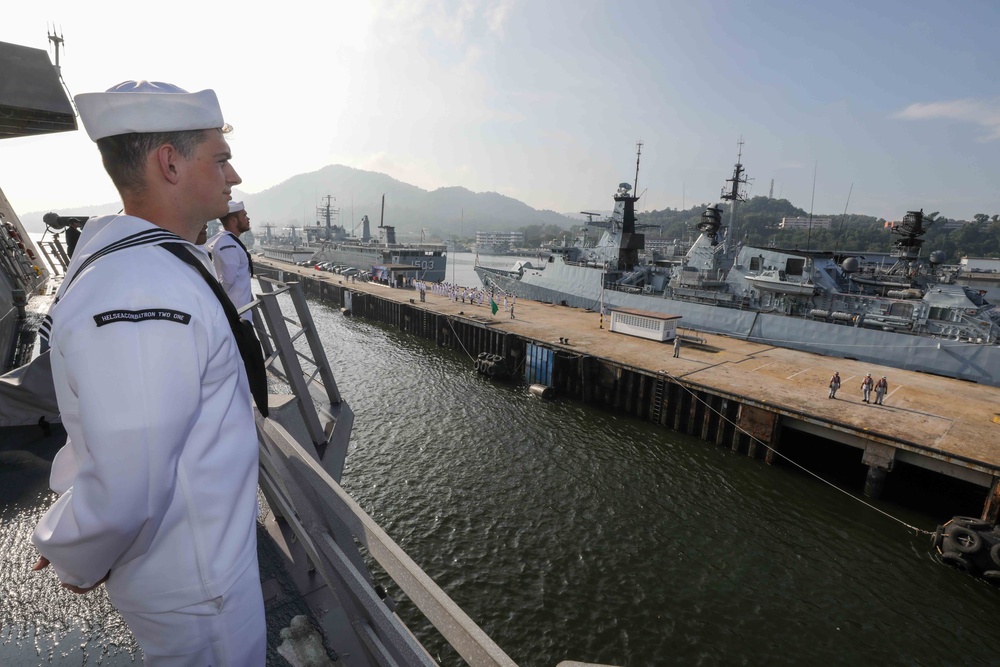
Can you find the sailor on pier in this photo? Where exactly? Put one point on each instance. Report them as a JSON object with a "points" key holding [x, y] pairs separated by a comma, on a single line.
{"points": [[880, 388], [834, 384], [866, 388]]}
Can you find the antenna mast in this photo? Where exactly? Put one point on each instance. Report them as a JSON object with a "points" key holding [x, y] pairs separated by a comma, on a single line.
{"points": [[735, 194], [328, 212], [59, 42], [638, 154]]}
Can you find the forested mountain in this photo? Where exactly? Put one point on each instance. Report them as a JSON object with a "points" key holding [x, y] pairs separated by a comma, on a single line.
{"points": [[442, 213]]}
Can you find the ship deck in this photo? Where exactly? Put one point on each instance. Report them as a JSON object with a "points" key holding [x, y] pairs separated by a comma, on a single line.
{"points": [[952, 421]]}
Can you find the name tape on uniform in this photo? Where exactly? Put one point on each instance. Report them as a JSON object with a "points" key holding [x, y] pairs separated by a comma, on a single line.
{"points": [[113, 316]]}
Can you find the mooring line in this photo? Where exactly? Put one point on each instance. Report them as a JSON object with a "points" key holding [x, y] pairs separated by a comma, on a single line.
{"points": [[459, 338], [800, 466]]}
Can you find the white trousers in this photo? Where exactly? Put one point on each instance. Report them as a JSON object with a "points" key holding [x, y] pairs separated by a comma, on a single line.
{"points": [[228, 631]]}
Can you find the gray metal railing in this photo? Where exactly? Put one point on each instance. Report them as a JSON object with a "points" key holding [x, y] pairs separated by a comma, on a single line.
{"points": [[285, 361]]}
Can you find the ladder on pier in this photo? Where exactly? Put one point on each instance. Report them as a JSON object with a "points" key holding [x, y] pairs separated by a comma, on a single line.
{"points": [[656, 410]]}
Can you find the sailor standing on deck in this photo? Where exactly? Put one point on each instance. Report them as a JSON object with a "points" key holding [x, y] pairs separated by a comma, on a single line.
{"points": [[232, 260], [157, 482]]}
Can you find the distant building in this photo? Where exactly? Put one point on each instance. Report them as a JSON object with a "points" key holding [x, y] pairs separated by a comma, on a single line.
{"points": [[981, 264], [803, 223], [954, 224], [497, 243]]}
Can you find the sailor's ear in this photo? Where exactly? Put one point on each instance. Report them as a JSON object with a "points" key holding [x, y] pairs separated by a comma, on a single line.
{"points": [[166, 159]]}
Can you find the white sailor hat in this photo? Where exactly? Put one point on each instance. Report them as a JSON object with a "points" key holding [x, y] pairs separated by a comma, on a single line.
{"points": [[236, 206], [147, 106]]}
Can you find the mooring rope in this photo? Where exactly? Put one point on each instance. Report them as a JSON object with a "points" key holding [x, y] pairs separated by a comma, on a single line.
{"points": [[916, 530], [459, 339]]}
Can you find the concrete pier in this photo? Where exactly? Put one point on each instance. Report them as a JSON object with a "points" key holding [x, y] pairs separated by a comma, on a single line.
{"points": [[734, 393]]}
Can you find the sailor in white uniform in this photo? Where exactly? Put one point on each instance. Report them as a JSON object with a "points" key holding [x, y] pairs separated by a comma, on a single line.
{"points": [[157, 482], [232, 260]]}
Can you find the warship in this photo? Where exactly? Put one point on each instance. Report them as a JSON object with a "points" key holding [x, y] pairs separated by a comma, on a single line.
{"points": [[332, 243], [912, 315]]}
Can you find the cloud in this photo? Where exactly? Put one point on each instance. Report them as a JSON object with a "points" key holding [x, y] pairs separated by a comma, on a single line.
{"points": [[979, 112]]}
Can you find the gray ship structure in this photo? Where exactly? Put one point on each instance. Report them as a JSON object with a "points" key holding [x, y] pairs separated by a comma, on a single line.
{"points": [[912, 316], [32, 103], [331, 243]]}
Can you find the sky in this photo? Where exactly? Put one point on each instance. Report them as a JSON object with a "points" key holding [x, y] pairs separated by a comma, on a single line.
{"points": [[873, 107]]}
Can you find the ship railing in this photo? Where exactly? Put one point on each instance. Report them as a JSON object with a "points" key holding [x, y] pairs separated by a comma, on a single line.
{"points": [[302, 370], [329, 525], [55, 255]]}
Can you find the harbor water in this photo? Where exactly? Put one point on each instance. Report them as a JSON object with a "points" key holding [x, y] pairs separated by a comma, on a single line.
{"points": [[569, 532]]}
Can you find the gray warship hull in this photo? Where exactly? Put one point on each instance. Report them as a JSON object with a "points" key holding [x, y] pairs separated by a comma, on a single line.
{"points": [[431, 260], [581, 287]]}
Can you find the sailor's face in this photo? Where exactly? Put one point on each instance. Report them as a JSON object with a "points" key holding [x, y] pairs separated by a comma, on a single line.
{"points": [[213, 177], [242, 222], [202, 235]]}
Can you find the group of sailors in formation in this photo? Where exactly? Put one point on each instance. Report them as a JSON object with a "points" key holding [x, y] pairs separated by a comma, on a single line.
{"points": [[867, 385], [476, 296]]}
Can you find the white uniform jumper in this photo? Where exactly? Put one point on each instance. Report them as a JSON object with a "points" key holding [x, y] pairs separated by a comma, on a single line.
{"points": [[232, 265], [158, 479]]}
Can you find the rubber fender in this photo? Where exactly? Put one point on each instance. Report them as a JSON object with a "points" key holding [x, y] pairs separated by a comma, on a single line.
{"points": [[479, 365], [491, 370], [965, 540], [971, 522], [992, 576], [956, 561], [995, 554]]}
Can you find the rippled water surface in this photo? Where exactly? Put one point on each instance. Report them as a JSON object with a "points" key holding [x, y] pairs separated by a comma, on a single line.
{"points": [[571, 533]]}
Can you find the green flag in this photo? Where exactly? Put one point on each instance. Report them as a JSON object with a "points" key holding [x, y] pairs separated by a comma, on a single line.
{"points": [[493, 306]]}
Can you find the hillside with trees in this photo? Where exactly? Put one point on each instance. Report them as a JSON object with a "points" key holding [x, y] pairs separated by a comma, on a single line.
{"points": [[758, 220]]}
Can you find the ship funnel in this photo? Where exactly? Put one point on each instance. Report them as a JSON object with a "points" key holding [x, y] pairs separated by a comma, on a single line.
{"points": [[366, 231], [390, 235], [711, 221]]}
